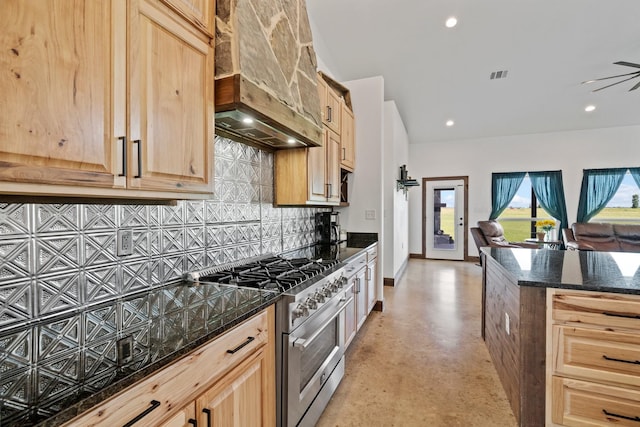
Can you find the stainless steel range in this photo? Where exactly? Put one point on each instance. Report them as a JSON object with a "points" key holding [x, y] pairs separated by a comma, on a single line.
{"points": [[310, 322]]}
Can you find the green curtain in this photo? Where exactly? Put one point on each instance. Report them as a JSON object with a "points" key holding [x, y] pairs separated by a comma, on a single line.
{"points": [[598, 187], [504, 187], [549, 191]]}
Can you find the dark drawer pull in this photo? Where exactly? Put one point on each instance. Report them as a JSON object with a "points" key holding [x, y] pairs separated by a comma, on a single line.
{"points": [[624, 417], [139, 143], [626, 316], [154, 405], [633, 362], [193, 422], [238, 348], [124, 155], [208, 412]]}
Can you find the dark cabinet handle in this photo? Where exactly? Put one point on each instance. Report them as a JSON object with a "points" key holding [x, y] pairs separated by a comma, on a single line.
{"points": [[193, 422], [626, 316], [328, 113], [139, 143], [154, 404], [344, 153], [624, 417], [238, 348], [612, 359], [208, 412], [123, 139]]}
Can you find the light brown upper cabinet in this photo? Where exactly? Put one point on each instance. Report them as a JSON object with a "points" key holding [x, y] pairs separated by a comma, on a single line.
{"points": [[330, 106], [347, 140], [309, 176], [104, 99]]}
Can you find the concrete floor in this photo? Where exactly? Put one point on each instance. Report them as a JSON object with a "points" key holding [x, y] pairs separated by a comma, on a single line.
{"points": [[422, 362]]}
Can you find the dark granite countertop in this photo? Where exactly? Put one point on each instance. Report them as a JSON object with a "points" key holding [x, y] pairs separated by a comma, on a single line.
{"points": [[617, 272], [167, 322]]}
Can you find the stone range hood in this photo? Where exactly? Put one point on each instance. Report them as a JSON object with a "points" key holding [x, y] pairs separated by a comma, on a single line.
{"points": [[266, 69]]}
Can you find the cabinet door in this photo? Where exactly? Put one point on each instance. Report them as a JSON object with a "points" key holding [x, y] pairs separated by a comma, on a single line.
{"points": [[333, 111], [237, 399], [170, 101], [317, 169], [322, 93], [186, 417], [371, 284], [350, 316], [56, 123], [361, 298], [347, 140], [333, 167]]}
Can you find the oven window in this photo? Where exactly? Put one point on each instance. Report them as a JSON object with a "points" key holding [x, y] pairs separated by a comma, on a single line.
{"points": [[317, 352]]}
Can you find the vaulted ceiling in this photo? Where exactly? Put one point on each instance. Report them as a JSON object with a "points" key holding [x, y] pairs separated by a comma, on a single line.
{"points": [[436, 74]]}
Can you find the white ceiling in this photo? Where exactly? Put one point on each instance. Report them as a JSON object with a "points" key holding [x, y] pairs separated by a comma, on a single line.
{"points": [[435, 74]]}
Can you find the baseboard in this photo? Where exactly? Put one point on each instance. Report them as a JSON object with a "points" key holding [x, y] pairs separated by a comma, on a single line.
{"points": [[379, 306], [416, 256], [475, 259], [386, 281]]}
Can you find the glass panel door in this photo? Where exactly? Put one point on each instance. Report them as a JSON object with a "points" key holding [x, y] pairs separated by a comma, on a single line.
{"points": [[444, 219]]}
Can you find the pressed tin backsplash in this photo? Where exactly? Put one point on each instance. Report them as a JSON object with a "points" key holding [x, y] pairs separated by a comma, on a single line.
{"points": [[57, 258]]}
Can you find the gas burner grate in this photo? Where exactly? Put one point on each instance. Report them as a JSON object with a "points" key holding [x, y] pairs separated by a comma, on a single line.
{"points": [[270, 272]]}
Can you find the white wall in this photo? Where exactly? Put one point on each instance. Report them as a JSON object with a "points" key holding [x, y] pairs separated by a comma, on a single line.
{"points": [[570, 152], [365, 185], [396, 206], [366, 190]]}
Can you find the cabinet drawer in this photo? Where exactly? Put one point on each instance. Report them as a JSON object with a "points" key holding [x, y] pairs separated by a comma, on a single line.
{"points": [[173, 386], [580, 403], [611, 310], [595, 354]]}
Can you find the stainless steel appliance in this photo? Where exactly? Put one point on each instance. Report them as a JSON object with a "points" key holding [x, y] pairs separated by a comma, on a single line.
{"points": [[310, 322], [327, 227]]}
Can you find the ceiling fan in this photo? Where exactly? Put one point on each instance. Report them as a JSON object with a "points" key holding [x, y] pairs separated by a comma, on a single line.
{"points": [[633, 75]]}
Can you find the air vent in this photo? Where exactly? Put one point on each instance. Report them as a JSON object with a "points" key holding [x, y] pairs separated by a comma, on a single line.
{"points": [[499, 75]]}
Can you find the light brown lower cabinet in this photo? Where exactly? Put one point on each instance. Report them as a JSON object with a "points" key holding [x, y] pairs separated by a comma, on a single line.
{"points": [[593, 359], [228, 381]]}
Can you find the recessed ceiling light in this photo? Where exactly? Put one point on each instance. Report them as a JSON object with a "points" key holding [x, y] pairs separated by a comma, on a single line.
{"points": [[291, 141], [451, 22], [247, 120], [450, 123], [589, 108]]}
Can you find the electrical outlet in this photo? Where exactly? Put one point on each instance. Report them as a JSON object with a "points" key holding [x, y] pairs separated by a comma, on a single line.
{"points": [[370, 214], [125, 350], [507, 325], [125, 242]]}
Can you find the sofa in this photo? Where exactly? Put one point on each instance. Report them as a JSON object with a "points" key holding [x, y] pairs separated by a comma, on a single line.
{"points": [[587, 236]]}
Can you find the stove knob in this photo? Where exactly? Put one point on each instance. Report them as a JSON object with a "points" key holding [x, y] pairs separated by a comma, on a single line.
{"points": [[341, 282], [328, 291], [319, 296], [300, 311], [311, 303]]}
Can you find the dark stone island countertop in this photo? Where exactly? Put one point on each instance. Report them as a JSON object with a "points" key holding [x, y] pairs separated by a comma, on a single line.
{"points": [[166, 322], [617, 272]]}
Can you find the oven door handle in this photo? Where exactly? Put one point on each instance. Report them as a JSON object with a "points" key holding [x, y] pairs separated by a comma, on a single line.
{"points": [[303, 343]]}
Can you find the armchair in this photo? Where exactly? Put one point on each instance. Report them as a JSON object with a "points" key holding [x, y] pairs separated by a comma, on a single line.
{"points": [[491, 233]]}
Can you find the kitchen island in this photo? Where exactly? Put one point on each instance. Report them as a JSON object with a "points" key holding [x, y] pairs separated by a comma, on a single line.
{"points": [[516, 284]]}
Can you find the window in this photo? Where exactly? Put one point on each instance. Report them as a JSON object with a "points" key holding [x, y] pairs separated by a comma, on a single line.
{"points": [[519, 218], [624, 206]]}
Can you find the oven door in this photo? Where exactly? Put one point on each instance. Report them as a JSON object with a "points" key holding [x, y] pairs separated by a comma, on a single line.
{"points": [[315, 349]]}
